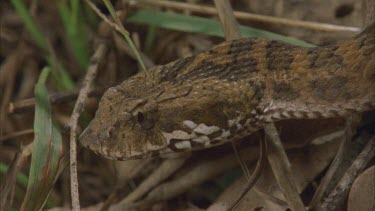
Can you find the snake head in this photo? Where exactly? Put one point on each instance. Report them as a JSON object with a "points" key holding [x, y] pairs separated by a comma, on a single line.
{"points": [[168, 118], [124, 127]]}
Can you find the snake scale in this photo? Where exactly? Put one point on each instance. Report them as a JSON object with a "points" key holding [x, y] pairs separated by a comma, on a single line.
{"points": [[229, 92]]}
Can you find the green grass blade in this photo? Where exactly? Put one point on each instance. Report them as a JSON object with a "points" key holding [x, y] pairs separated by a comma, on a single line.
{"points": [[124, 33], [22, 181], [60, 75], [75, 5], [63, 79], [47, 150], [74, 26], [30, 23], [65, 83], [201, 25]]}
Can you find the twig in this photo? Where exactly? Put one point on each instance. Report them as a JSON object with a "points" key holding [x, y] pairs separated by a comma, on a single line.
{"points": [[242, 164], [16, 134], [122, 45], [166, 169], [7, 186], [27, 105], [102, 16], [194, 176], [9, 68], [118, 27], [232, 31], [338, 162], [78, 108], [124, 33], [282, 169], [339, 194], [254, 17], [255, 176], [227, 19], [123, 178]]}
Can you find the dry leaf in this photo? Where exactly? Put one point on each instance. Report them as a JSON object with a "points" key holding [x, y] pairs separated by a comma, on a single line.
{"points": [[306, 162]]}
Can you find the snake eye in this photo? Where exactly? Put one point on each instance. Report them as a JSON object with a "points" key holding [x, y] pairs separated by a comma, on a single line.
{"points": [[140, 117]]}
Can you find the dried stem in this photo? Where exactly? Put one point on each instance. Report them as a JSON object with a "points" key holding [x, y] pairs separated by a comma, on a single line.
{"points": [[282, 169], [124, 33], [27, 105], [78, 108], [242, 164], [166, 169], [102, 16], [352, 124], [193, 176], [232, 31], [16, 134], [339, 194], [254, 17], [9, 69], [227, 19], [122, 45], [7, 185], [257, 172], [338, 162]]}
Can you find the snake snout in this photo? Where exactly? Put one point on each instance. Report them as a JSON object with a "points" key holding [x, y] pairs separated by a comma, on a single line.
{"points": [[89, 140]]}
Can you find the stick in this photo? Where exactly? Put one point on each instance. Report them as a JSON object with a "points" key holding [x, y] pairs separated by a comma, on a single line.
{"points": [[227, 19], [282, 169], [339, 194], [16, 134], [78, 108], [338, 162], [254, 17], [27, 105]]}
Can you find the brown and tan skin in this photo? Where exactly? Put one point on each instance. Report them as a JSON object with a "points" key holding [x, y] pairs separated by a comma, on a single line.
{"points": [[229, 92]]}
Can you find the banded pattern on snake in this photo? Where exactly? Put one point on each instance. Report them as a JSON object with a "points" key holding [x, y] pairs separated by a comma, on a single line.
{"points": [[229, 92]]}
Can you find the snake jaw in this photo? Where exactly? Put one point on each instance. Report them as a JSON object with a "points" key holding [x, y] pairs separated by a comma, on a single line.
{"points": [[119, 146]]}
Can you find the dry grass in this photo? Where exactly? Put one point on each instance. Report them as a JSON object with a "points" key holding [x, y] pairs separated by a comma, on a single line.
{"points": [[36, 127]]}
